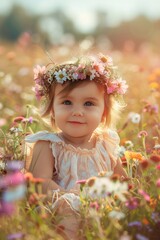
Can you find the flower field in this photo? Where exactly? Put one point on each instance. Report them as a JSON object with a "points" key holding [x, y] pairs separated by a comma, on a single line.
{"points": [[111, 208]]}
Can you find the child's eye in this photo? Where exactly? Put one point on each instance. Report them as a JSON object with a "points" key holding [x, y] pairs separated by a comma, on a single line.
{"points": [[67, 102], [89, 103]]}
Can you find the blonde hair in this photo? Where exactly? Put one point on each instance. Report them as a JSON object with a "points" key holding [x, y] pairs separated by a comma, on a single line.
{"points": [[113, 106]]}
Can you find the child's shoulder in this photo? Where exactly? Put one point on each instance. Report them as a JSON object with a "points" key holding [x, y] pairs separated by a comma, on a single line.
{"points": [[109, 135], [42, 136]]}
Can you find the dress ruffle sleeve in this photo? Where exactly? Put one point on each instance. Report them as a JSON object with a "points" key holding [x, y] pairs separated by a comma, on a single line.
{"points": [[42, 135], [110, 142]]}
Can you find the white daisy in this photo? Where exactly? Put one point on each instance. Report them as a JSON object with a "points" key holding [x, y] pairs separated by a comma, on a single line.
{"points": [[93, 74], [61, 75], [134, 117]]}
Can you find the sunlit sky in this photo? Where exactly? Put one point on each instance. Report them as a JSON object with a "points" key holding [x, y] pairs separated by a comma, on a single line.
{"points": [[82, 11]]}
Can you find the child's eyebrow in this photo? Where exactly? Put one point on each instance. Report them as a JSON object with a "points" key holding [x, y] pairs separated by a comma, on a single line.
{"points": [[91, 98]]}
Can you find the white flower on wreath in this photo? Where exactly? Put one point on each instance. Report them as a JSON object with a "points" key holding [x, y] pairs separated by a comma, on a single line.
{"points": [[61, 76], [94, 74], [75, 76]]}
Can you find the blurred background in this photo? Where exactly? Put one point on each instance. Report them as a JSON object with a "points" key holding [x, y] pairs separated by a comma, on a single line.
{"points": [[41, 31], [111, 24]]}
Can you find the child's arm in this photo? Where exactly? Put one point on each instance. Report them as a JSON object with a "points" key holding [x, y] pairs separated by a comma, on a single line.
{"points": [[42, 165], [119, 169]]}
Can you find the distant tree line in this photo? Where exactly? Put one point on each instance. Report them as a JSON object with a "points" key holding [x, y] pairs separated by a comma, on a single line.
{"points": [[18, 20]]}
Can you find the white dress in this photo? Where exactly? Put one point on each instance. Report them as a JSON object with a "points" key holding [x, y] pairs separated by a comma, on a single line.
{"points": [[73, 164]]}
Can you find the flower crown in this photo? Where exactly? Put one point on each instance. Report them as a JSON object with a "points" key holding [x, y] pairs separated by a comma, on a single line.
{"points": [[100, 70]]}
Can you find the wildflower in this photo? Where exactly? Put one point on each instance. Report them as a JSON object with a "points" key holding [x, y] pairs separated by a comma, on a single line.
{"points": [[15, 130], [132, 203], [141, 237], [144, 164], [6, 208], [103, 187], [91, 181], [155, 158], [11, 179], [81, 181], [121, 151], [156, 217], [153, 203], [158, 183], [18, 119], [28, 176], [158, 167], [134, 117], [152, 109], [145, 221], [13, 236], [142, 134], [144, 194], [14, 165], [94, 205], [133, 155], [128, 144], [157, 146], [11, 195], [135, 224], [116, 215]]}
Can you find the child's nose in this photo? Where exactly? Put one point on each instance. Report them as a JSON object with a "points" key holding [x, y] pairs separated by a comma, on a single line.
{"points": [[77, 112]]}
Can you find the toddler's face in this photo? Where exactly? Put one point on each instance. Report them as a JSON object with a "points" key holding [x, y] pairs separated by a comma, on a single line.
{"points": [[78, 112]]}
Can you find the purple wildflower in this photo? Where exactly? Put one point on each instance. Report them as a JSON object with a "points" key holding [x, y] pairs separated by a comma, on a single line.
{"points": [[18, 235], [141, 237]]}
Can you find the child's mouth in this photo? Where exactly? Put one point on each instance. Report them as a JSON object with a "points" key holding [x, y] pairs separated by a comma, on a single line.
{"points": [[75, 122]]}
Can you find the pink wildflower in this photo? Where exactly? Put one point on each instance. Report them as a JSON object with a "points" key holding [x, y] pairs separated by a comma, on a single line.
{"points": [[144, 194], [83, 181], [158, 167], [158, 183], [132, 203], [94, 205], [142, 134], [155, 158], [18, 119]]}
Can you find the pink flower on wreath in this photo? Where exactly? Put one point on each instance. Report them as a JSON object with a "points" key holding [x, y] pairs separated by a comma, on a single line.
{"points": [[98, 67], [38, 92], [38, 73], [121, 86], [111, 87], [80, 73]]}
